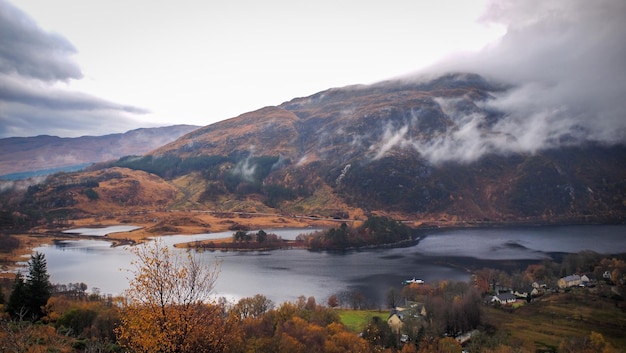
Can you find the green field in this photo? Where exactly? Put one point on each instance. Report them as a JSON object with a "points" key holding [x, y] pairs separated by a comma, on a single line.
{"points": [[356, 320]]}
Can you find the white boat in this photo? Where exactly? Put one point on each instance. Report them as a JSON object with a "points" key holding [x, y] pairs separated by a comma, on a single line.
{"points": [[413, 280]]}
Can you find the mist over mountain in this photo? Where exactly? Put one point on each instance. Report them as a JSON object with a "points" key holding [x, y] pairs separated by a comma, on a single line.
{"points": [[566, 64], [457, 117], [443, 147], [431, 150]]}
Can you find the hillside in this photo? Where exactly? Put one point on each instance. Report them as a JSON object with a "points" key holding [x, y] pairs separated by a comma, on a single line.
{"points": [[433, 152], [24, 154], [376, 148]]}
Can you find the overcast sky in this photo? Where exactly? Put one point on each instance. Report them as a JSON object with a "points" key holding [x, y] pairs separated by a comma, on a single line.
{"points": [[75, 67]]}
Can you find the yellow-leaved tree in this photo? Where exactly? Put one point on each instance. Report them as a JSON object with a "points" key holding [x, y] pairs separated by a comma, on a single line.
{"points": [[168, 307]]}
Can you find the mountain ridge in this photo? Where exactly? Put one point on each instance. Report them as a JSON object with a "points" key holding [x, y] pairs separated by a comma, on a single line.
{"points": [[384, 145], [433, 152], [26, 154]]}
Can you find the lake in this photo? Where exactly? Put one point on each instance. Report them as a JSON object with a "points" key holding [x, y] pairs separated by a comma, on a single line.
{"points": [[283, 275], [102, 231]]}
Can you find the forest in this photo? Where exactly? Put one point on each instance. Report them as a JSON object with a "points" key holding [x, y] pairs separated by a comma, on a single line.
{"points": [[169, 307]]}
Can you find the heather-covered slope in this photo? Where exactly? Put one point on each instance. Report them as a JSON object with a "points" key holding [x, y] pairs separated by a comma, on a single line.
{"points": [[426, 149]]}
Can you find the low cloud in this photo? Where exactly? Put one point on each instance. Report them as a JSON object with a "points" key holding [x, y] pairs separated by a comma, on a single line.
{"points": [[566, 64], [32, 63], [244, 169], [20, 185], [392, 138]]}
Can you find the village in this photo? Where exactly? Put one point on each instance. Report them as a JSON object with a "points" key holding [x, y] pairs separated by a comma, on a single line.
{"points": [[410, 319]]}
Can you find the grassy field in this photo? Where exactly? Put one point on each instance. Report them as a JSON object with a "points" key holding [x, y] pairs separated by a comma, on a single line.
{"points": [[548, 320], [542, 324], [356, 320]]}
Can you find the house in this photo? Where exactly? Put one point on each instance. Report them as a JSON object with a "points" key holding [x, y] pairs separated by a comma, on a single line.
{"points": [[504, 298], [569, 281], [395, 321], [413, 311], [584, 280], [526, 292], [416, 309]]}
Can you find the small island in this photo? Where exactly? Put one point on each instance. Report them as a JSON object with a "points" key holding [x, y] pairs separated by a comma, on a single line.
{"points": [[375, 231]]}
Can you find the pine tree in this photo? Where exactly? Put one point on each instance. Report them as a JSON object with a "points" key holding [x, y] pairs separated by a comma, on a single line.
{"points": [[30, 295], [16, 307], [38, 285]]}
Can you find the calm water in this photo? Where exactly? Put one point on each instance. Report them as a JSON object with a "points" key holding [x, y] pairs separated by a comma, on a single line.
{"points": [[100, 232], [284, 275]]}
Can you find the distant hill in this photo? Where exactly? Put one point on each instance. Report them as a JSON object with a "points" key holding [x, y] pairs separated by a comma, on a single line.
{"points": [[43, 153], [429, 151]]}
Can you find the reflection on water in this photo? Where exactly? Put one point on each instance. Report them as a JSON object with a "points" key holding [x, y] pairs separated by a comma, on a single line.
{"points": [[524, 243], [286, 274], [100, 232]]}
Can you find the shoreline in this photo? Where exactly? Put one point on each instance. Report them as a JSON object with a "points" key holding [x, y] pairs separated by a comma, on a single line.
{"points": [[181, 223]]}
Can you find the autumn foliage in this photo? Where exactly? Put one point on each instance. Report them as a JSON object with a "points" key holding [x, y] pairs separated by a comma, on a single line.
{"points": [[168, 305], [301, 326]]}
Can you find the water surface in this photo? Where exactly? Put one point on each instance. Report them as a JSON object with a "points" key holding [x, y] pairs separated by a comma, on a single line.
{"points": [[101, 231], [283, 275]]}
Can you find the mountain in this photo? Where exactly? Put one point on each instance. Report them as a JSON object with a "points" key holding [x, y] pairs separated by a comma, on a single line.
{"points": [[435, 151], [28, 154]]}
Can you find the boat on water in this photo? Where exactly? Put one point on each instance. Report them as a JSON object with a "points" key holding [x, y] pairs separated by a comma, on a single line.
{"points": [[413, 280]]}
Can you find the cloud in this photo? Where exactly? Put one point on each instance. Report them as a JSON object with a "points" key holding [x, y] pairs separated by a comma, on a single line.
{"points": [[29, 51], [245, 170], [20, 185], [391, 138], [17, 90], [32, 63], [566, 62]]}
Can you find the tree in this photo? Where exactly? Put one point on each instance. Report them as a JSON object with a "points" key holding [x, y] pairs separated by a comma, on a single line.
{"points": [[31, 295], [379, 334], [17, 300], [392, 298], [38, 285], [261, 236], [595, 342], [357, 300], [252, 307], [333, 301], [241, 235], [311, 304], [168, 305], [340, 340]]}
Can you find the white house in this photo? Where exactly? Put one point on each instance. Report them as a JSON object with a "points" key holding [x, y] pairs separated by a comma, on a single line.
{"points": [[504, 298]]}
